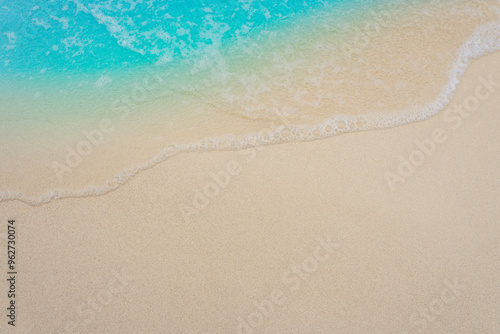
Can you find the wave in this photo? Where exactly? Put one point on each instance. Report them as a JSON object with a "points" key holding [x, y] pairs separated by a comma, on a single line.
{"points": [[484, 40]]}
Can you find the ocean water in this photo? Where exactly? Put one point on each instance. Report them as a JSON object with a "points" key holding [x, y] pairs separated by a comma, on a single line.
{"points": [[93, 92], [57, 37]]}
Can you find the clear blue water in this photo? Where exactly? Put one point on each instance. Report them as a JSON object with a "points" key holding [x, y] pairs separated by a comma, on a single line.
{"points": [[84, 35]]}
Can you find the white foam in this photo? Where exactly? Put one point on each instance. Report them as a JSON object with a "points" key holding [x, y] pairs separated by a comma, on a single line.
{"points": [[485, 40]]}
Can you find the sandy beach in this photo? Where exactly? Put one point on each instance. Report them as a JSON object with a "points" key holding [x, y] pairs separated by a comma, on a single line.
{"points": [[384, 231]]}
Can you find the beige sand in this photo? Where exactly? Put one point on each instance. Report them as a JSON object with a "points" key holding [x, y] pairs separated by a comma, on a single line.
{"points": [[422, 256]]}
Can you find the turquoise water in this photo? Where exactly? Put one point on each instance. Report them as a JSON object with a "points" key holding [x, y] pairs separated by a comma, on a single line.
{"points": [[59, 53], [43, 38]]}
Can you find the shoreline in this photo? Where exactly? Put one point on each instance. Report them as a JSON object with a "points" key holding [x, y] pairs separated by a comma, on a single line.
{"points": [[339, 124]]}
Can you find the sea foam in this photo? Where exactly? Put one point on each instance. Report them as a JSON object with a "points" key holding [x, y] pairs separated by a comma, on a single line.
{"points": [[484, 40]]}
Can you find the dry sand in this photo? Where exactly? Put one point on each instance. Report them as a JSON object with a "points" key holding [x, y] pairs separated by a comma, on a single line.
{"points": [[424, 256]]}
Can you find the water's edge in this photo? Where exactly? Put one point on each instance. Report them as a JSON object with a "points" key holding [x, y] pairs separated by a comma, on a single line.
{"points": [[485, 40]]}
